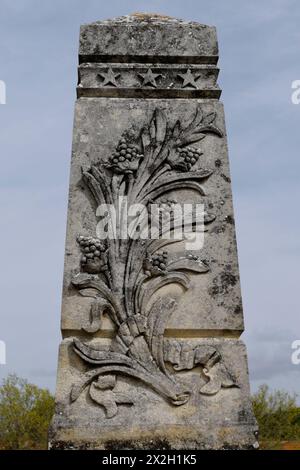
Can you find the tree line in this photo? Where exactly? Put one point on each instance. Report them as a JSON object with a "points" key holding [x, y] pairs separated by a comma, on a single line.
{"points": [[26, 411]]}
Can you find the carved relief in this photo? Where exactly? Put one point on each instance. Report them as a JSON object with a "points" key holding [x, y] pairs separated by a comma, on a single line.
{"points": [[109, 77], [183, 356], [103, 393], [188, 79], [149, 78], [155, 78], [122, 275]]}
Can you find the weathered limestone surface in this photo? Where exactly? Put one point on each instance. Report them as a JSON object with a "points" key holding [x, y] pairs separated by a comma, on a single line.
{"points": [[151, 355]]}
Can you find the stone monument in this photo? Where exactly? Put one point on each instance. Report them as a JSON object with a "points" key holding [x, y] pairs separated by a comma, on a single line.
{"points": [[151, 356]]}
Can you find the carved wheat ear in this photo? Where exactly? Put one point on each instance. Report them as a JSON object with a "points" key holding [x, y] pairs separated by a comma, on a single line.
{"points": [[198, 128]]}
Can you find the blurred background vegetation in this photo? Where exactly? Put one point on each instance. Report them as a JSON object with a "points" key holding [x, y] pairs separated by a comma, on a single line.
{"points": [[26, 411], [25, 414], [278, 418]]}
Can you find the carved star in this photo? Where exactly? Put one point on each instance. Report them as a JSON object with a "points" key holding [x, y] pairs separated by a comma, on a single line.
{"points": [[109, 77], [188, 79], [149, 78]]}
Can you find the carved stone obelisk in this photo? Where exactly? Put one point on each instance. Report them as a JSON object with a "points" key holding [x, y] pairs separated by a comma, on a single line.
{"points": [[151, 355]]}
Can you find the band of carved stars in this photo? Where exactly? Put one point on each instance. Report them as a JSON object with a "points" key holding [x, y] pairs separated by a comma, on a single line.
{"points": [[149, 78]]}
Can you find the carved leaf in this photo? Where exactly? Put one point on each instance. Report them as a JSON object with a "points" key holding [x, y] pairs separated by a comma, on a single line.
{"points": [[89, 292], [177, 130], [152, 286], [169, 178], [176, 393], [186, 264], [160, 125], [97, 310], [97, 184], [192, 138], [195, 121], [96, 356], [155, 193], [209, 118], [158, 317], [145, 138], [199, 127], [210, 128], [94, 187], [155, 245], [86, 281]]}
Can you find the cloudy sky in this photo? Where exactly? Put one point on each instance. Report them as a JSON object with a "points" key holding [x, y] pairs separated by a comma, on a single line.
{"points": [[259, 58]]}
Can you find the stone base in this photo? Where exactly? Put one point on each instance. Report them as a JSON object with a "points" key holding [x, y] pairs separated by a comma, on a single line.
{"points": [[223, 420], [164, 439]]}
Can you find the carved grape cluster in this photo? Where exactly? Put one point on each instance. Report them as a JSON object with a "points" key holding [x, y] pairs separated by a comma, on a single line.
{"points": [[126, 157], [156, 264], [160, 260], [189, 156], [93, 250], [184, 158]]}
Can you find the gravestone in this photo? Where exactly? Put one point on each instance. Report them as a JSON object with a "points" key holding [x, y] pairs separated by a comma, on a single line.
{"points": [[151, 355]]}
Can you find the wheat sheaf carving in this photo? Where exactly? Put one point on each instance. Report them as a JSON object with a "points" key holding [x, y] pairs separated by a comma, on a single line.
{"points": [[122, 275]]}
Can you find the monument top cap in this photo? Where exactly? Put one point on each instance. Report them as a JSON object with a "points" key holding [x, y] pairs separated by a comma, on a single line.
{"points": [[143, 37]]}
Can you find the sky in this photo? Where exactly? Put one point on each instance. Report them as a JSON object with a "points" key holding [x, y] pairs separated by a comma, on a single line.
{"points": [[259, 44]]}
